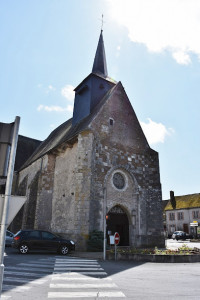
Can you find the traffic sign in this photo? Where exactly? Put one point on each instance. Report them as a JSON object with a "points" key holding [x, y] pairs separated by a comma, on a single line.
{"points": [[117, 238], [194, 224], [15, 204]]}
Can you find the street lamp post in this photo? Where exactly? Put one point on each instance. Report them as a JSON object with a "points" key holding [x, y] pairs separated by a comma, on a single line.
{"points": [[8, 189]]}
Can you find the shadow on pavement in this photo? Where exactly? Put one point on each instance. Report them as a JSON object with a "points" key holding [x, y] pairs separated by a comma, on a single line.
{"points": [[19, 266]]}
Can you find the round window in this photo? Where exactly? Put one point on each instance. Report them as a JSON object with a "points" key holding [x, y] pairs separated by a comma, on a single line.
{"points": [[118, 181]]}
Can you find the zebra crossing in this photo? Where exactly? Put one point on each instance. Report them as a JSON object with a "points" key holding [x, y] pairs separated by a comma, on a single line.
{"points": [[26, 276], [81, 278], [59, 278]]}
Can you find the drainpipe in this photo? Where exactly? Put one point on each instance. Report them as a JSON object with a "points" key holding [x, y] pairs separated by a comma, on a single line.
{"points": [[104, 223], [139, 225]]}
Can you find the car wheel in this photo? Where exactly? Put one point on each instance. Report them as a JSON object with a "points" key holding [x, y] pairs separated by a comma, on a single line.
{"points": [[23, 249], [64, 250]]}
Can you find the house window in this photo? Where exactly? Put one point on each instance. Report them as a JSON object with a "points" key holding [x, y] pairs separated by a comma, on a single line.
{"points": [[180, 216], [171, 216], [195, 214]]}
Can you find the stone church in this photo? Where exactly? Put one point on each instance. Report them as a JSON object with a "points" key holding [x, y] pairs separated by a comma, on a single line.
{"points": [[95, 164]]}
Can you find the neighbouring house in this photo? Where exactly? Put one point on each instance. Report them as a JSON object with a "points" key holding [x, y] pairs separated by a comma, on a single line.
{"points": [[180, 212], [95, 164]]}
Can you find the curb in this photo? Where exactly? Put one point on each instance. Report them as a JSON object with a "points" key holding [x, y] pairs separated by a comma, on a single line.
{"points": [[156, 258]]}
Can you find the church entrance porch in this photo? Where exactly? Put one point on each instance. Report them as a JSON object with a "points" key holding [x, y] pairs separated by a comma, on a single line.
{"points": [[117, 221]]}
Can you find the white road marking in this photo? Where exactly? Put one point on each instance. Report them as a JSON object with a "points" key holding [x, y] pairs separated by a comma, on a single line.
{"points": [[19, 276], [76, 269], [83, 278], [13, 279], [28, 269], [73, 277], [76, 263], [75, 259], [82, 286], [23, 274], [85, 273], [36, 265], [85, 294], [15, 288]]}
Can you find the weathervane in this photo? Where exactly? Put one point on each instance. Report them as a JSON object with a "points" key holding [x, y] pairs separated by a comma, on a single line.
{"points": [[102, 22]]}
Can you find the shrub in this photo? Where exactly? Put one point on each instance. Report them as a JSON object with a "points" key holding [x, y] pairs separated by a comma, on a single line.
{"points": [[183, 250], [95, 241]]}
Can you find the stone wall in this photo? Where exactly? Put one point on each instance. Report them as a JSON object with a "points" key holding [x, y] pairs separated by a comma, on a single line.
{"points": [[63, 205], [71, 195], [36, 182], [43, 214]]}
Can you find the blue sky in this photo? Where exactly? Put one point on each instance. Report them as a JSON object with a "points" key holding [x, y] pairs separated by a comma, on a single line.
{"points": [[152, 47]]}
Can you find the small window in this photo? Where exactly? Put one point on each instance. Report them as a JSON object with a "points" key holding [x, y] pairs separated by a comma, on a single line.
{"points": [[83, 89], [111, 122], [171, 216], [101, 86], [195, 214], [180, 216], [119, 180]]}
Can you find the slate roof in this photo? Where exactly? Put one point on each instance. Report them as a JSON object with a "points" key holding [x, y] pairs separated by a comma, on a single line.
{"points": [[66, 132], [100, 65], [185, 202], [97, 75], [25, 148]]}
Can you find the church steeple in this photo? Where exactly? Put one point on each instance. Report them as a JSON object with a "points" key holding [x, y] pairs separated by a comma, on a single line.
{"points": [[100, 66], [94, 87]]}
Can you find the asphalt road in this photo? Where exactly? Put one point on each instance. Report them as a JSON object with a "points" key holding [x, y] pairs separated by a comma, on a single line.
{"points": [[49, 276]]}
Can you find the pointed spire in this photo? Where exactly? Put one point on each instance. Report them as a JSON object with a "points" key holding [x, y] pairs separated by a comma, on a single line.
{"points": [[100, 65]]}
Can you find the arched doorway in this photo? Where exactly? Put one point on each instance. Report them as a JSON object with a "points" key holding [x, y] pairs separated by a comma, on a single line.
{"points": [[117, 221]]}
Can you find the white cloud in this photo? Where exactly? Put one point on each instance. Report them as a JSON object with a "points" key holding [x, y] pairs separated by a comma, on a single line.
{"points": [[54, 108], [155, 132], [48, 89], [181, 58], [68, 92], [51, 88], [70, 108], [161, 25]]}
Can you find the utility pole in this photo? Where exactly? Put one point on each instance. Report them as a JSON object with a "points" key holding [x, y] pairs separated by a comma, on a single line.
{"points": [[8, 189]]}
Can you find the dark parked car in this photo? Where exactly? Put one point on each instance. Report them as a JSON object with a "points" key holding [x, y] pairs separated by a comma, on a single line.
{"points": [[9, 238], [181, 235], [28, 240]]}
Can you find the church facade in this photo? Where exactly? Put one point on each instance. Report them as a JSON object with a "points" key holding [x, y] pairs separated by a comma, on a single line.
{"points": [[98, 163]]}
